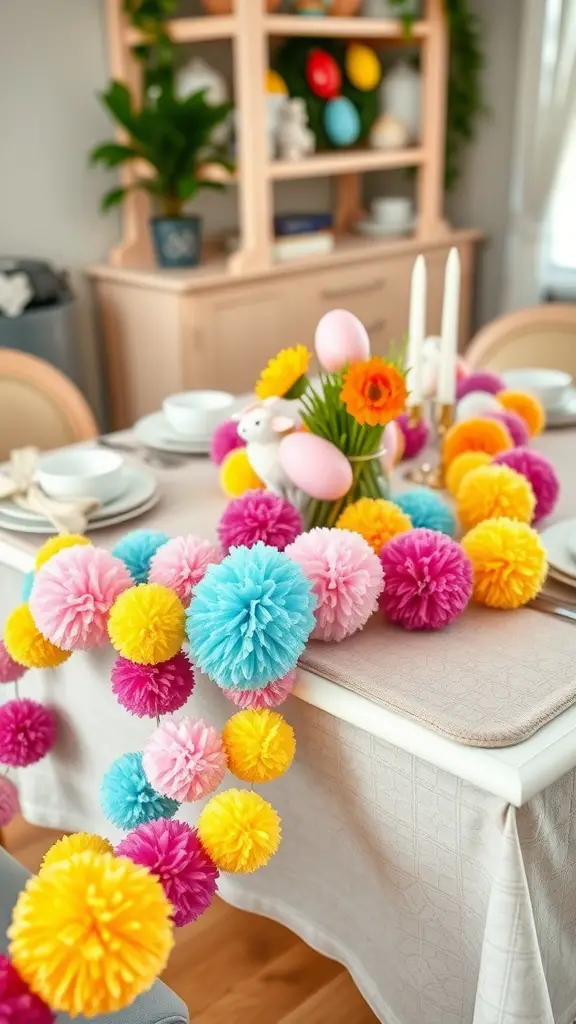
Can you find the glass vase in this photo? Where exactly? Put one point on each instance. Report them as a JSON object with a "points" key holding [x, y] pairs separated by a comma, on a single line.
{"points": [[370, 480]]}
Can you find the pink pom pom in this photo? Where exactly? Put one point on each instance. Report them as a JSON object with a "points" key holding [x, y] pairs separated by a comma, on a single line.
{"points": [[18, 1005], [182, 563], [27, 732], [185, 760], [346, 576], [150, 690], [73, 593], [415, 435], [224, 440], [9, 804], [172, 851], [270, 696], [514, 424], [10, 670], [480, 380], [539, 472], [428, 580], [259, 516]]}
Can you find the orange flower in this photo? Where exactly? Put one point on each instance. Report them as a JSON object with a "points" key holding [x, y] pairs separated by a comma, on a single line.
{"points": [[374, 392]]}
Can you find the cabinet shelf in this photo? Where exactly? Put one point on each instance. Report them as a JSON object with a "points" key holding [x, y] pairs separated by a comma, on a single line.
{"points": [[192, 30], [347, 28], [348, 162]]}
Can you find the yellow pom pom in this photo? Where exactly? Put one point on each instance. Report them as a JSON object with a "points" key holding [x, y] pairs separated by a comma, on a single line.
{"points": [[25, 643], [237, 475], [526, 406], [509, 562], [77, 843], [55, 544], [239, 830], [492, 491], [146, 624], [260, 745], [475, 435], [376, 520], [91, 933], [462, 465]]}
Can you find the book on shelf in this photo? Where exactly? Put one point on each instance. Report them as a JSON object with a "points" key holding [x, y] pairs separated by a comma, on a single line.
{"points": [[288, 224], [294, 247]]}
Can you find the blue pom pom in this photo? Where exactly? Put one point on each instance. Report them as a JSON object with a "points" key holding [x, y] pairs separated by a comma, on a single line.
{"points": [[428, 510], [27, 586], [127, 798], [250, 618], [137, 550]]}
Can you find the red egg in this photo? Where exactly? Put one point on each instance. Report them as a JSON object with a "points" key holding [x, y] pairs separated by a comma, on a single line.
{"points": [[323, 75]]}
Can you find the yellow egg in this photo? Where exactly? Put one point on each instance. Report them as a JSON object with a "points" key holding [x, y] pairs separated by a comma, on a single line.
{"points": [[275, 84], [362, 67]]}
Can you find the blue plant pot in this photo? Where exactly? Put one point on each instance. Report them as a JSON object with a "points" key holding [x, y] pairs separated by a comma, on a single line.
{"points": [[177, 240]]}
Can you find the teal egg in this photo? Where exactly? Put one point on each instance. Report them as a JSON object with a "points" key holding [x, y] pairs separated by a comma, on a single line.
{"points": [[342, 121]]}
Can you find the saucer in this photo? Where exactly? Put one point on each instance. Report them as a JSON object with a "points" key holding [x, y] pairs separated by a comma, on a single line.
{"points": [[154, 431], [140, 488], [374, 229], [560, 541], [563, 415]]}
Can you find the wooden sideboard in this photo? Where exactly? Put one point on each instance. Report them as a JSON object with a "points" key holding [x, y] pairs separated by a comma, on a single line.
{"points": [[167, 331]]}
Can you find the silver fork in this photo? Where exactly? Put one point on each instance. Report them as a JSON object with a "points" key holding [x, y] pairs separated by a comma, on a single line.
{"points": [[156, 459], [541, 603]]}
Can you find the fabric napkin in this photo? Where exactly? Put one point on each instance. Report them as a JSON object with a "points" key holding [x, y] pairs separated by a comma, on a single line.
{"points": [[20, 486]]}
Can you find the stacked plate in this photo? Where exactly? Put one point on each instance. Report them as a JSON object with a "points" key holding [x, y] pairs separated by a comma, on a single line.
{"points": [[186, 422], [560, 543]]}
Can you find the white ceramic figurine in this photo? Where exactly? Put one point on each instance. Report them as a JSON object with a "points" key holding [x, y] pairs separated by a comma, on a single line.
{"points": [[262, 426], [295, 139]]}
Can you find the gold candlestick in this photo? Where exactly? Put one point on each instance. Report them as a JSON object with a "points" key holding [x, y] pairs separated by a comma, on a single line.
{"points": [[428, 474]]}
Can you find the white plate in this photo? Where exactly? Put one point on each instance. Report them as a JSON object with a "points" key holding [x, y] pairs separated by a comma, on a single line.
{"points": [[141, 486], [563, 415], [376, 230], [155, 432], [46, 529], [557, 540]]}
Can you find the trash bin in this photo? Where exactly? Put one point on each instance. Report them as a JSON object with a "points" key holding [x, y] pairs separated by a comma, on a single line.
{"points": [[46, 326]]}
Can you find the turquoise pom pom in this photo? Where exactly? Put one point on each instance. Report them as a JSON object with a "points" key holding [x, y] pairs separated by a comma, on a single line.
{"points": [[137, 549], [250, 618], [27, 586], [428, 510], [127, 798]]}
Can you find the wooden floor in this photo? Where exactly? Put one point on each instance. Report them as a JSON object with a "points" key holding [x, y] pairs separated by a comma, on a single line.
{"points": [[236, 968]]}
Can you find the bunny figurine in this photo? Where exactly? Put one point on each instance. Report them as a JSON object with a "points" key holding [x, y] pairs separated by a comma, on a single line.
{"points": [[262, 426]]}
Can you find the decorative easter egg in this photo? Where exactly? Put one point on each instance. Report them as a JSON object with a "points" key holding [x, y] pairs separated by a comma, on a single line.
{"points": [[274, 84], [362, 67], [393, 445], [340, 338], [323, 75], [476, 403], [315, 466], [342, 122]]}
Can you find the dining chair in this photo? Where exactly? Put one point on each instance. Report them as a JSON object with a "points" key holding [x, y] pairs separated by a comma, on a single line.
{"points": [[39, 406], [542, 336]]}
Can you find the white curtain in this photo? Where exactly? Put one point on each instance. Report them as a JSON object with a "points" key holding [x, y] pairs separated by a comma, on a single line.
{"points": [[546, 106]]}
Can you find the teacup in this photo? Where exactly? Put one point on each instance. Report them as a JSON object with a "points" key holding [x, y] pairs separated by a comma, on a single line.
{"points": [[391, 211], [194, 414], [549, 386], [70, 474]]}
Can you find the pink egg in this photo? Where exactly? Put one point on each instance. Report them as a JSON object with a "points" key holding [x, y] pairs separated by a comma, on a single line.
{"points": [[393, 444], [315, 466], [462, 369], [341, 338]]}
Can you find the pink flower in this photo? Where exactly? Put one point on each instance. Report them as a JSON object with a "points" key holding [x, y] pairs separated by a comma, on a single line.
{"points": [[150, 690], [182, 563], [18, 1005], [27, 732], [9, 804], [259, 516], [270, 696], [73, 593], [10, 670], [185, 760], [346, 577], [428, 580]]}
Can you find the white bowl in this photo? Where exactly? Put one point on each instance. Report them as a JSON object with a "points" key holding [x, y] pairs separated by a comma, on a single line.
{"points": [[194, 414], [550, 386], [82, 473]]}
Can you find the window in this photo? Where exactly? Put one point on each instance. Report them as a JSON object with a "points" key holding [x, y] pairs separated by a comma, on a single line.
{"points": [[560, 237]]}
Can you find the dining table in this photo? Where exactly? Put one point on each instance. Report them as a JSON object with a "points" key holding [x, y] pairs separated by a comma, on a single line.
{"points": [[429, 825]]}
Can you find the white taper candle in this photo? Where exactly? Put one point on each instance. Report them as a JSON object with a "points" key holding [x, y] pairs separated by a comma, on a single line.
{"points": [[416, 333], [446, 392]]}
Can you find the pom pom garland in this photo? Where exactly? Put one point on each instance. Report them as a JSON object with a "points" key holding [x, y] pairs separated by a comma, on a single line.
{"points": [[250, 618], [416, 435], [346, 577], [475, 435], [427, 509], [428, 580], [146, 624], [374, 519], [9, 808], [479, 380], [462, 465], [508, 561], [128, 799], [172, 852], [91, 934], [10, 670], [526, 406], [182, 563], [27, 732], [151, 690], [73, 594], [259, 516], [260, 745], [25, 643], [18, 1005], [239, 831], [137, 550], [514, 424], [475, 404], [492, 491], [270, 696], [225, 439], [541, 475], [237, 475], [27, 586], [185, 760], [53, 545], [79, 842]]}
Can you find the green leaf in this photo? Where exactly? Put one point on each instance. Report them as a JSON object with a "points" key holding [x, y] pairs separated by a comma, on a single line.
{"points": [[112, 154], [112, 198], [118, 101]]}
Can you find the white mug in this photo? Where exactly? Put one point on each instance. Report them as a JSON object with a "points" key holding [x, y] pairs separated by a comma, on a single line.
{"points": [[392, 211]]}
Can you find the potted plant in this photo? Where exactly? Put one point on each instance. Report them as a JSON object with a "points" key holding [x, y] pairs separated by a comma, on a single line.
{"points": [[168, 144]]}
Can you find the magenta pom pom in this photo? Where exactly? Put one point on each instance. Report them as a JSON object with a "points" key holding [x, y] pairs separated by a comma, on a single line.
{"points": [[346, 577], [185, 760], [541, 475], [182, 563], [428, 580], [224, 440], [259, 516], [10, 670], [514, 424], [27, 732], [172, 851], [270, 696], [150, 690], [73, 593], [480, 380], [18, 1005], [9, 805], [415, 435]]}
